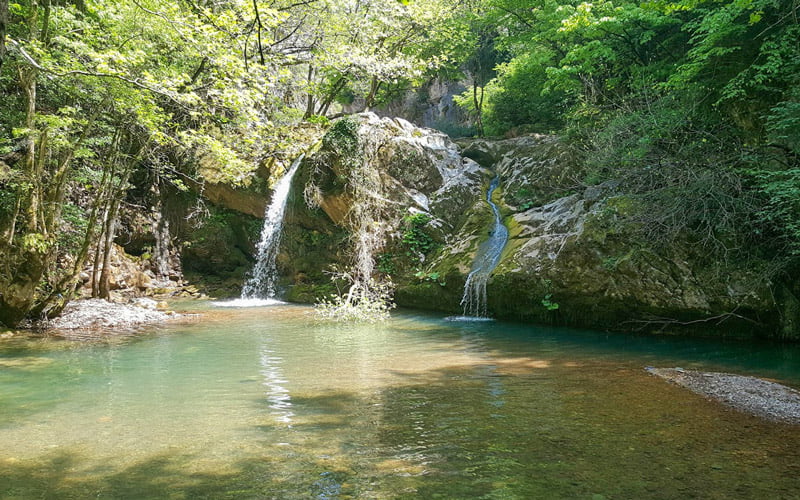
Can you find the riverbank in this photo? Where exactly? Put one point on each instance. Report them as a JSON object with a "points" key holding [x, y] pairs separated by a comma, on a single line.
{"points": [[763, 398]]}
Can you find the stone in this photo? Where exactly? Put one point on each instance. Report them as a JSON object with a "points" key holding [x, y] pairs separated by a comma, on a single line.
{"points": [[145, 303], [141, 280]]}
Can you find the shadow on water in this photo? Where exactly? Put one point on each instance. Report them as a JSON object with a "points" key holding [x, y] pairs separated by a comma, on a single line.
{"points": [[534, 435], [164, 476], [423, 409], [168, 475], [776, 360]]}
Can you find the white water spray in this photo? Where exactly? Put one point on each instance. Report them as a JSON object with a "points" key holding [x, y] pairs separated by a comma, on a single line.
{"points": [[261, 283]]}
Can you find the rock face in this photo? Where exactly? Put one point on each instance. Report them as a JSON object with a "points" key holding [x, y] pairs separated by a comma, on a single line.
{"points": [[568, 261], [421, 172], [432, 105]]}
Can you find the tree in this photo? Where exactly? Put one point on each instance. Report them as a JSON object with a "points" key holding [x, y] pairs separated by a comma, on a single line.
{"points": [[94, 99], [3, 27]]}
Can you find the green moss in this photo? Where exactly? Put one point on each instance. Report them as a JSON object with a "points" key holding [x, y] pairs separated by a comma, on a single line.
{"points": [[221, 244], [343, 145], [432, 296], [309, 293]]}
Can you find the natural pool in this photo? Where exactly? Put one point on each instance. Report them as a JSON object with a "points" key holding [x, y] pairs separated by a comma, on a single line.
{"points": [[264, 403]]}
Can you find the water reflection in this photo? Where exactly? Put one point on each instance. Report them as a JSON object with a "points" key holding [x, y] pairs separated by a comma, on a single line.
{"points": [[280, 401]]}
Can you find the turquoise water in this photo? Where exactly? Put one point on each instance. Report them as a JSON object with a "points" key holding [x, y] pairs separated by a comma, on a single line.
{"points": [[264, 403]]}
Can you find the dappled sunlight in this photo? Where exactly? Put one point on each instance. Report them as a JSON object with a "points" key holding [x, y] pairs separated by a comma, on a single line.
{"points": [[66, 474], [26, 363], [517, 365]]}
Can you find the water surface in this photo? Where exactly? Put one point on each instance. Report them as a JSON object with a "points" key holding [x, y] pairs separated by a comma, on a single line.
{"points": [[264, 403]]}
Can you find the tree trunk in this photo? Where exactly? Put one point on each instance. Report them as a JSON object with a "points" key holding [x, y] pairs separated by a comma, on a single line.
{"points": [[310, 101], [96, 264], [3, 28], [117, 193], [329, 98], [105, 275], [374, 85], [478, 103], [27, 78]]}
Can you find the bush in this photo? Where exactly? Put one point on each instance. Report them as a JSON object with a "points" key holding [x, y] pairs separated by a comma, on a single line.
{"points": [[682, 168], [416, 240], [518, 96]]}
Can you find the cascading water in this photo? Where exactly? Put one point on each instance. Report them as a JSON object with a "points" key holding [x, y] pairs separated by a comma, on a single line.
{"points": [[487, 258], [261, 283]]}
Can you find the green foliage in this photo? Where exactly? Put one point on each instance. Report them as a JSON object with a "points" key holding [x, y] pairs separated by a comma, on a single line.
{"points": [[430, 277], [385, 263], [36, 243], [783, 122], [417, 242], [363, 301], [780, 213], [518, 96], [342, 139], [692, 106], [548, 303], [318, 119], [522, 198], [74, 227], [11, 189], [680, 167]]}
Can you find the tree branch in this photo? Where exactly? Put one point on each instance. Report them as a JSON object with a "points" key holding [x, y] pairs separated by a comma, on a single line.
{"points": [[665, 322], [52, 73]]}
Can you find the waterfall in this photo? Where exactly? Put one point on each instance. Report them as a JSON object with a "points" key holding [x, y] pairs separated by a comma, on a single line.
{"points": [[487, 258], [261, 283]]}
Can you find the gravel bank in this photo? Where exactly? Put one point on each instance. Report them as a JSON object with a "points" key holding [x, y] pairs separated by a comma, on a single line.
{"points": [[101, 314], [752, 395]]}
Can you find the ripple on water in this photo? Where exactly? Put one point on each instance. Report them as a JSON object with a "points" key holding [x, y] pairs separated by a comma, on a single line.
{"points": [[468, 319]]}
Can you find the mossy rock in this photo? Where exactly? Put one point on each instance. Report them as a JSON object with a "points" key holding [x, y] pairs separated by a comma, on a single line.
{"points": [[309, 293], [221, 244], [431, 295], [216, 286]]}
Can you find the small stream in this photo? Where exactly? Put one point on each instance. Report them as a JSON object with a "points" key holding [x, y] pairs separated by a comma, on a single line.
{"points": [[265, 403], [486, 259]]}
